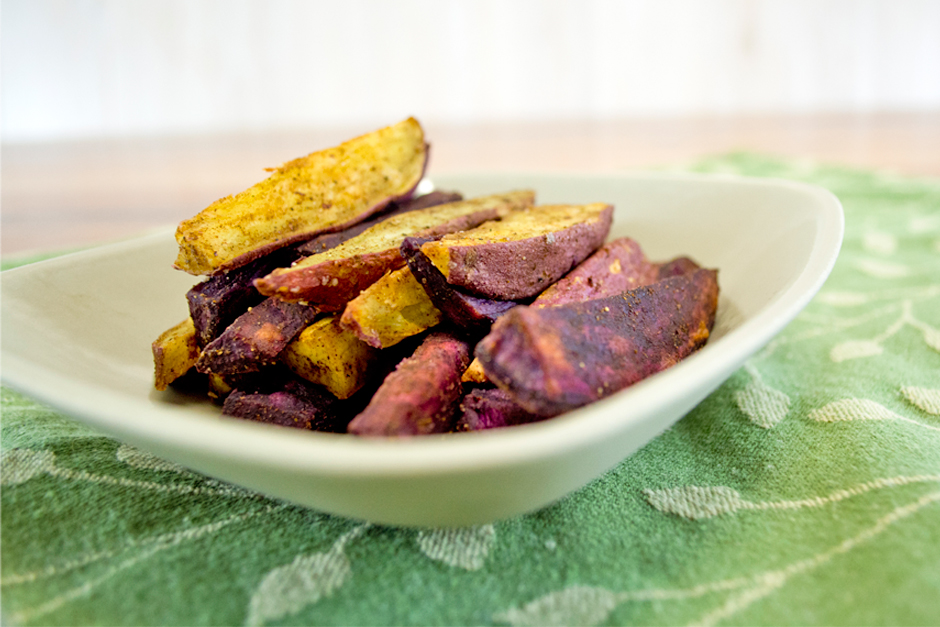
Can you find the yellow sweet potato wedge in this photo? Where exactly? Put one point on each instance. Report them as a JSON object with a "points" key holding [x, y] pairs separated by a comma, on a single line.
{"points": [[174, 353], [327, 354], [391, 309], [330, 279], [322, 192], [522, 254]]}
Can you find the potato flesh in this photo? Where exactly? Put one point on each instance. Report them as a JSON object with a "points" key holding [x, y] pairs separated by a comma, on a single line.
{"points": [[327, 354], [321, 192], [174, 353], [393, 308]]}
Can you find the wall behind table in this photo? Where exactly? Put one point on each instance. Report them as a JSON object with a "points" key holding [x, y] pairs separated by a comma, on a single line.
{"points": [[106, 68]]}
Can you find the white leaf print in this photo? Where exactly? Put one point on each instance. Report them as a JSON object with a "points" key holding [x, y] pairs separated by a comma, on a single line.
{"points": [[879, 242], [464, 548], [288, 589], [764, 405], [854, 349], [22, 464], [577, 605], [141, 459], [696, 502], [882, 269], [852, 409], [932, 337], [924, 398], [842, 299]]}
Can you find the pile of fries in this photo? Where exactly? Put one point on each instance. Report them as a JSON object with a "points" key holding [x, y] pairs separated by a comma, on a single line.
{"points": [[337, 299]]}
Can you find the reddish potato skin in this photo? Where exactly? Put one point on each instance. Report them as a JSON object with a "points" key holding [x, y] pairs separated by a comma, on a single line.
{"points": [[331, 240], [523, 268], [554, 359], [491, 408], [256, 338], [470, 314], [614, 268], [422, 394], [334, 283]]}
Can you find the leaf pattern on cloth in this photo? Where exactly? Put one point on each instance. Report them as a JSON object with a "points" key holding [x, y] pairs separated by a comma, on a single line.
{"points": [[764, 405], [860, 409], [927, 399], [577, 605], [880, 243], [22, 464], [882, 269], [288, 589], [141, 459], [465, 548], [855, 349], [695, 502]]}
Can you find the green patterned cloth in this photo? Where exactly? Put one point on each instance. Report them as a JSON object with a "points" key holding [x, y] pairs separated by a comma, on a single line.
{"points": [[804, 491]]}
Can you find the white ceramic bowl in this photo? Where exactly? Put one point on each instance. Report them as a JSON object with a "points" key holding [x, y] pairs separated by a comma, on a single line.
{"points": [[77, 331]]}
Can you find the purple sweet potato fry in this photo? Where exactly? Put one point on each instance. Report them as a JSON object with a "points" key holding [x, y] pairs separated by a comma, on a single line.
{"points": [[490, 408], [293, 403], [422, 395], [554, 359], [217, 302], [331, 240], [256, 338], [471, 314], [614, 268]]}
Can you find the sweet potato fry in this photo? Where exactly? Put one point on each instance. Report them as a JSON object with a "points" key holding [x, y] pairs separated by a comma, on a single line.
{"points": [[554, 359], [329, 355], [217, 302], [489, 409], [471, 314], [174, 353], [614, 268], [324, 191], [391, 309], [331, 279], [422, 394], [293, 403], [256, 338], [327, 241], [522, 254]]}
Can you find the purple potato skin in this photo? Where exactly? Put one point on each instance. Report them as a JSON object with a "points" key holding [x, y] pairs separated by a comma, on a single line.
{"points": [[523, 268], [554, 359], [295, 404], [217, 302], [491, 408], [614, 268], [677, 267], [422, 394], [256, 338], [332, 240], [471, 314]]}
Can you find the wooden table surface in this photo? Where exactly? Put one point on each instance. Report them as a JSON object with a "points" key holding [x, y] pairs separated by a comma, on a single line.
{"points": [[62, 195]]}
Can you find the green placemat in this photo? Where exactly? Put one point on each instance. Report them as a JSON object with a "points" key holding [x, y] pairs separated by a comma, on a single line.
{"points": [[805, 490]]}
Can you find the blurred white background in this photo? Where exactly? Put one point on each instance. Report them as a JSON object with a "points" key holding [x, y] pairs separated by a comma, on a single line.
{"points": [[111, 68]]}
